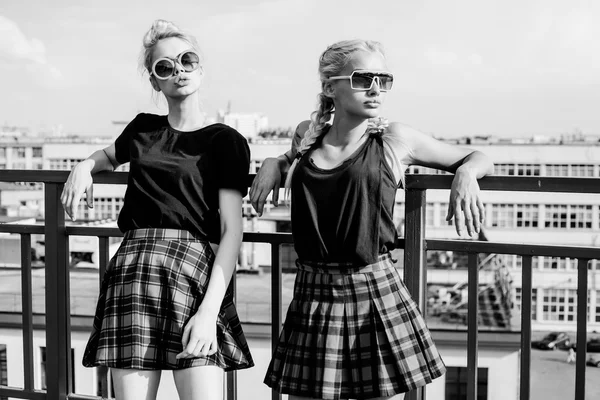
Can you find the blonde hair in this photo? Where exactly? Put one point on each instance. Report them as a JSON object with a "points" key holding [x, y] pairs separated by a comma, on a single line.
{"points": [[331, 63], [159, 30]]}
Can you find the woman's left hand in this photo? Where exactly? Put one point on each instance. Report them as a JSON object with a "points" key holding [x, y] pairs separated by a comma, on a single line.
{"points": [[199, 336], [465, 206]]}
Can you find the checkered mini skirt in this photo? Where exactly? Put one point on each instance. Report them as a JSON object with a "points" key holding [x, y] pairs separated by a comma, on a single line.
{"points": [[152, 287], [352, 333]]}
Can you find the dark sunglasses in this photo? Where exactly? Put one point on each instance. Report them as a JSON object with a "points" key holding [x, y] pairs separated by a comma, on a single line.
{"points": [[363, 80], [164, 67]]}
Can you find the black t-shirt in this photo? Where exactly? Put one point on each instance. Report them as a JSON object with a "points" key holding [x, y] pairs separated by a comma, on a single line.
{"points": [[175, 176]]}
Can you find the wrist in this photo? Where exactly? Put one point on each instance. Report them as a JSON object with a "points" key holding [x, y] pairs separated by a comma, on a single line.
{"points": [[466, 170], [87, 165], [208, 308]]}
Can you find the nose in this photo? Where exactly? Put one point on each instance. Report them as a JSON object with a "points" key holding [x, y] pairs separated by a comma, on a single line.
{"points": [[375, 87], [178, 68]]}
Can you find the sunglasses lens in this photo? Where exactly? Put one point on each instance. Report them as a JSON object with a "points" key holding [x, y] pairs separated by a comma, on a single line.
{"points": [[163, 68], [362, 80], [190, 61], [385, 81]]}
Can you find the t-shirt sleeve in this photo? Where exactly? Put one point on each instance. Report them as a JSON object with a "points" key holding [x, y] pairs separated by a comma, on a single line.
{"points": [[233, 162], [122, 143]]}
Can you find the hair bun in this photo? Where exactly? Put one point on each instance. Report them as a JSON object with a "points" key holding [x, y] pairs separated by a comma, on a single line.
{"points": [[158, 29]]}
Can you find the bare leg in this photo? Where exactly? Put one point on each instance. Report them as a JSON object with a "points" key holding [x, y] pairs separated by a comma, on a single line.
{"points": [[135, 384], [204, 382]]}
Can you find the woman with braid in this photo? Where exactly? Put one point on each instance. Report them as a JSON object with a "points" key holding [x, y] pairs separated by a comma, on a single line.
{"points": [[352, 330]]}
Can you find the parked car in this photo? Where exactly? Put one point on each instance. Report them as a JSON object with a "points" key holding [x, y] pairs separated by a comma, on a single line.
{"points": [[592, 346], [593, 360], [553, 341]]}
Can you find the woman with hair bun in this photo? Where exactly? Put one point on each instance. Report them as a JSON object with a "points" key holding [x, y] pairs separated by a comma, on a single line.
{"points": [[352, 331], [166, 301]]}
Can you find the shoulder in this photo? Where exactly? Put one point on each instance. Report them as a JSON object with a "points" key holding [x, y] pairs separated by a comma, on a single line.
{"points": [[145, 121], [403, 132], [302, 127], [225, 133]]}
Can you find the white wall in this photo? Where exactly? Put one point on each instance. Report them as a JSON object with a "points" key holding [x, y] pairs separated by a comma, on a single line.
{"points": [[503, 365]]}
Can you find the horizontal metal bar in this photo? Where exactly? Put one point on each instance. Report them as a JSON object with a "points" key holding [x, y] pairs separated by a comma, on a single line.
{"points": [[17, 228], [93, 231], [48, 176], [505, 183], [472, 246], [511, 183], [74, 396], [273, 238], [22, 394]]}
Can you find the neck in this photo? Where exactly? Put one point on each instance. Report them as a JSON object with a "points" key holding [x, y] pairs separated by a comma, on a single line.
{"points": [[346, 130], [185, 114]]}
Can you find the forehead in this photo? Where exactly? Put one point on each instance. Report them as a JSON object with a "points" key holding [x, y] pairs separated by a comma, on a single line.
{"points": [[372, 61], [170, 47]]}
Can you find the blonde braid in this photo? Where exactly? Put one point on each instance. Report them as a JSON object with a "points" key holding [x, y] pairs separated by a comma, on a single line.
{"points": [[318, 122]]}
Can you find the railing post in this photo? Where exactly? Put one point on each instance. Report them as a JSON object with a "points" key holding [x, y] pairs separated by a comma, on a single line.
{"points": [[472, 330], [58, 332], [275, 303], [415, 260]]}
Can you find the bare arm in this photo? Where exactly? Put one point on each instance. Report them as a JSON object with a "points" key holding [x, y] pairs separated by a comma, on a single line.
{"points": [[80, 179], [272, 171], [199, 335], [468, 165]]}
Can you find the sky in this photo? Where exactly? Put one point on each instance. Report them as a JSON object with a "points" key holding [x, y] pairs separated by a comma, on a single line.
{"points": [[463, 67]]}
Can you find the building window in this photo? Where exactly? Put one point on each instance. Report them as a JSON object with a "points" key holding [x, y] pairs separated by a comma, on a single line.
{"points": [[503, 216], [19, 152], [528, 170], [504, 169], [429, 214], [557, 170], [561, 264], [556, 216], [597, 306], [527, 215], [2, 152], [580, 217], [37, 152], [518, 297], [3, 368], [582, 170], [456, 383], [559, 305], [535, 262]]}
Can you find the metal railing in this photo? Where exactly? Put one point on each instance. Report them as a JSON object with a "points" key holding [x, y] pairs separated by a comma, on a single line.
{"points": [[415, 246]]}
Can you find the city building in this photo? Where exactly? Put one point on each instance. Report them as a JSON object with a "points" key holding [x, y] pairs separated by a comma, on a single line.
{"points": [[534, 218]]}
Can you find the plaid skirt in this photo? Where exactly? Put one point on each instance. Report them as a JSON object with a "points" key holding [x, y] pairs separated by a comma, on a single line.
{"points": [[352, 333], [152, 287]]}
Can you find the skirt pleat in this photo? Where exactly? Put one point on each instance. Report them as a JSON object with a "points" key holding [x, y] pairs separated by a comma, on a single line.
{"points": [[352, 332], [153, 285]]}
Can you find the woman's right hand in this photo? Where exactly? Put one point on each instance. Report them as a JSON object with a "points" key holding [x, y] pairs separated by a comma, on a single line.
{"points": [[79, 182], [267, 179]]}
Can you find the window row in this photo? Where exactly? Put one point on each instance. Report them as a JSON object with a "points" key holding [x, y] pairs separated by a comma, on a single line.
{"points": [[554, 170], [560, 305]]}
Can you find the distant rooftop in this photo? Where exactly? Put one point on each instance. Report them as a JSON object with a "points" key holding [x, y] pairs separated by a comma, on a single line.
{"points": [[15, 186]]}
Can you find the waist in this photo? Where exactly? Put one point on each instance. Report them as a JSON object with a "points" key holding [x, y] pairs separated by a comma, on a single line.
{"points": [[384, 261], [161, 234]]}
